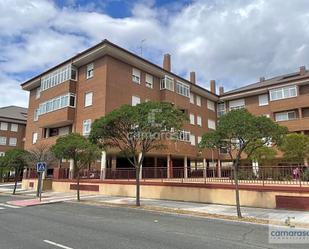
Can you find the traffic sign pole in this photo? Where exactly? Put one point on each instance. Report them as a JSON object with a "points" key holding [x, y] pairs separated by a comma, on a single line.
{"points": [[40, 168]]}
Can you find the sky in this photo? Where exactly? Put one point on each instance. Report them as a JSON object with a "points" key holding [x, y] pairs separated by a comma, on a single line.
{"points": [[234, 42]]}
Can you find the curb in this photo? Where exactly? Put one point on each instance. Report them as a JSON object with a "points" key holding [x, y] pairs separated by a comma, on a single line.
{"points": [[174, 211]]}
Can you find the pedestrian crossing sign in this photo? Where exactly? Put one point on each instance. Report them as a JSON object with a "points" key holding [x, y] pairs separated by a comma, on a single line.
{"points": [[41, 166]]}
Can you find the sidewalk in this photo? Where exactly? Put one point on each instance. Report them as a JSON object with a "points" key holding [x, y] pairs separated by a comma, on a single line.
{"points": [[203, 209], [275, 215], [47, 198]]}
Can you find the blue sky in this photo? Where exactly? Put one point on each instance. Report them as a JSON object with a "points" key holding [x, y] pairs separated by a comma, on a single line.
{"points": [[233, 42]]}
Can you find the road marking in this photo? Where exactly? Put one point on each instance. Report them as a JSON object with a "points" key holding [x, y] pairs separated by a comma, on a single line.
{"points": [[1, 208], [56, 244], [9, 206]]}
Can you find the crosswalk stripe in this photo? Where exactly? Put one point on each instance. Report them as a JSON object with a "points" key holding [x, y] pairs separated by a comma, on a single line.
{"points": [[1, 208], [7, 205]]}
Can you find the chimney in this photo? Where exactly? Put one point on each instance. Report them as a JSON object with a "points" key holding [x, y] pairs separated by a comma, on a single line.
{"points": [[167, 62], [213, 86], [221, 90], [302, 70], [192, 77], [262, 79]]}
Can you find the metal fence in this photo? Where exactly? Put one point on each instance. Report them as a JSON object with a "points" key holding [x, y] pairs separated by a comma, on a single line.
{"points": [[266, 175]]}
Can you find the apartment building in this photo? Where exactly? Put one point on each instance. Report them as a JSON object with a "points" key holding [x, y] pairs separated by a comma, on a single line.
{"points": [[285, 99], [70, 96], [12, 128]]}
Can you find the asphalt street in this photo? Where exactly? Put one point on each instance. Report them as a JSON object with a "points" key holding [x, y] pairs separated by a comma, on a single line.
{"points": [[81, 226]]}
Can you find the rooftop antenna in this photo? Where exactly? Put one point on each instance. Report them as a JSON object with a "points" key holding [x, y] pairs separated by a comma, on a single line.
{"points": [[141, 46]]}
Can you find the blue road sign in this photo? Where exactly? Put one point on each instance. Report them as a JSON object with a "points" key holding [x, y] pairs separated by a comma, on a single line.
{"points": [[41, 166]]}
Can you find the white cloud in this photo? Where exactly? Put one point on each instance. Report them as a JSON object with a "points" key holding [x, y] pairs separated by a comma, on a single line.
{"points": [[10, 92], [234, 42]]}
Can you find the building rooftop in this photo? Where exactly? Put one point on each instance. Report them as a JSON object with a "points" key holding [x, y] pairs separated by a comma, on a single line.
{"points": [[15, 113], [286, 78], [107, 47]]}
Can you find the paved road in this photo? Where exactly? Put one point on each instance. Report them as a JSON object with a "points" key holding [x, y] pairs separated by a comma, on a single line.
{"points": [[80, 226]]}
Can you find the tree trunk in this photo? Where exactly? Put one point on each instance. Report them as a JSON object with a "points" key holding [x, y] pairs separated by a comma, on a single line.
{"points": [[16, 180], [1, 174], [137, 177], [77, 187], [236, 164]]}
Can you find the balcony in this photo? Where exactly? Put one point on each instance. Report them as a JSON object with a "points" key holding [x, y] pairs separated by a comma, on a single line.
{"points": [[299, 124], [286, 104], [60, 117], [65, 87]]}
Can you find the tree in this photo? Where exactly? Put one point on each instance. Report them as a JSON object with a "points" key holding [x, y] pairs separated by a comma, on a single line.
{"points": [[16, 159], [137, 130], [295, 147], [240, 132], [78, 148], [2, 167], [262, 153], [40, 153]]}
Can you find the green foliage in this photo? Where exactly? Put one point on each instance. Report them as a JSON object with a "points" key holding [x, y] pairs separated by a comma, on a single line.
{"points": [[239, 130], [134, 129], [77, 147], [15, 159], [260, 152], [295, 147]]}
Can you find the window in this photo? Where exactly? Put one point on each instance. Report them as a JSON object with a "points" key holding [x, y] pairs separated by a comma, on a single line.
{"points": [[38, 93], [221, 109], [89, 73], [284, 116], [12, 141], [14, 127], [237, 104], [263, 99], [184, 136], [192, 139], [136, 75], [58, 76], [191, 98], [192, 119], [199, 121], [36, 115], [86, 127], [2, 153], [198, 100], [183, 89], [211, 124], [34, 137], [60, 102], [199, 139], [210, 105], [167, 83], [88, 99], [149, 80], [2, 140], [135, 100], [283, 93], [3, 126]]}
